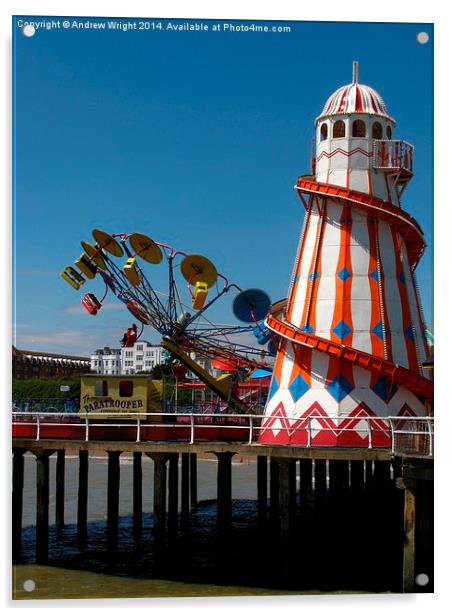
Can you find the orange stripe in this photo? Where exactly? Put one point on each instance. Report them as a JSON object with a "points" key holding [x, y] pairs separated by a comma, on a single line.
{"points": [[342, 305], [293, 293], [369, 180], [406, 317], [279, 361], [419, 312], [375, 316], [337, 367], [315, 266], [385, 312], [302, 363]]}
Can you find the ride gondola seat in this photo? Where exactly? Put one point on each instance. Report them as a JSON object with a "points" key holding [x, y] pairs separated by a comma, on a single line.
{"points": [[86, 266], [131, 271], [199, 295], [72, 277]]}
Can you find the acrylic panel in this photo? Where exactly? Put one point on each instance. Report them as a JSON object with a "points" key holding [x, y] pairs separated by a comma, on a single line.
{"points": [[223, 307]]}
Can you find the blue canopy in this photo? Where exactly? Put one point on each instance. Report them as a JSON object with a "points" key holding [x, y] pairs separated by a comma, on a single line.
{"points": [[261, 373]]}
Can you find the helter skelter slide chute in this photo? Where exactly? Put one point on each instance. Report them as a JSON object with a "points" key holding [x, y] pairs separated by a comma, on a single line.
{"points": [[186, 331]]}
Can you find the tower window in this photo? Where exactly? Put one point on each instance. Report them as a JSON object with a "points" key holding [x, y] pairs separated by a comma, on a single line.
{"points": [[323, 132], [359, 129], [377, 131], [389, 132], [339, 129]]}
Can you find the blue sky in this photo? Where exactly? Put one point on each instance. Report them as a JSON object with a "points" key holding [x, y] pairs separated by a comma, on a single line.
{"points": [[196, 139]]}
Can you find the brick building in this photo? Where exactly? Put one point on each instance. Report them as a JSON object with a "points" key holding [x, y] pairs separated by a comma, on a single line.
{"points": [[38, 364]]}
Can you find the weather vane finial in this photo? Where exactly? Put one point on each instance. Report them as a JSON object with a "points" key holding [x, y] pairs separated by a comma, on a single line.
{"points": [[355, 71]]}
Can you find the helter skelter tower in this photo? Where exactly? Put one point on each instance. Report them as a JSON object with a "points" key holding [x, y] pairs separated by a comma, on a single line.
{"points": [[351, 332]]}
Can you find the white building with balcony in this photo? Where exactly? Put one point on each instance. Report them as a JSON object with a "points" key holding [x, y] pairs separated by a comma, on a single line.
{"points": [[142, 357], [106, 361]]}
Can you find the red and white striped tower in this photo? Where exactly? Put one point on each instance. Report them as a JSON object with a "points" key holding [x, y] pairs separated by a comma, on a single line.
{"points": [[351, 333]]}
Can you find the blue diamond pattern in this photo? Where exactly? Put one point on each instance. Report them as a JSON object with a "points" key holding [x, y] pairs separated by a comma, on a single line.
{"points": [[374, 275], [314, 275], [296, 279], [341, 329], [409, 333], [344, 274], [307, 328], [339, 388], [383, 389], [298, 388], [273, 387], [402, 277], [378, 330]]}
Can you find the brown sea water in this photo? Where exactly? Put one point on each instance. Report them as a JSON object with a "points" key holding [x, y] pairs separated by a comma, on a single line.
{"points": [[341, 545]]}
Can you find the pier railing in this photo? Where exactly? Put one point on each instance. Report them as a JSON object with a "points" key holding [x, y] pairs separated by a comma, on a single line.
{"points": [[402, 435]]}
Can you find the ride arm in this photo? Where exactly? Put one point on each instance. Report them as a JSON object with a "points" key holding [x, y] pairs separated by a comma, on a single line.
{"points": [[221, 386]]}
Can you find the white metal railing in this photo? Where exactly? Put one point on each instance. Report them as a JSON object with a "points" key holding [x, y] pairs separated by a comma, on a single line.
{"points": [[393, 155], [399, 434]]}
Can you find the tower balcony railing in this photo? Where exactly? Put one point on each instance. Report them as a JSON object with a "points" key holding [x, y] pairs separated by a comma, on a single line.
{"points": [[393, 156]]}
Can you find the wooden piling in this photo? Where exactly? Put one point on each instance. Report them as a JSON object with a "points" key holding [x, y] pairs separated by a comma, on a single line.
{"points": [[159, 532], [185, 492], [286, 500], [60, 487], [173, 497], [409, 548], [262, 488], [338, 474], [137, 493], [193, 480], [305, 478], [368, 472], [224, 493], [274, 491], [17, 501], [319, 479], [42, 506], [82, 496], [357, 476], [113, 500]]}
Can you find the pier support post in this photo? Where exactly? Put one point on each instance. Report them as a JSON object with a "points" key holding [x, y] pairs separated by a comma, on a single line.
{"points": [[59, 487], [305, 478], [286, 500], [424, 530], [159, 533], [274, 491], [17, 500], [368, 472], [319, 479], [137, 492], [409, 547], [42, 506], [173, 500], [185, 493], [338, 474], [357, 476], [82, 496], [381, 475], [224, 493], [262, 488], [193, 480], [113, 500]]}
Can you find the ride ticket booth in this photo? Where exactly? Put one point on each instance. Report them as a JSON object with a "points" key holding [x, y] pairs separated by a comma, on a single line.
{"points": [[128, 396]]}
